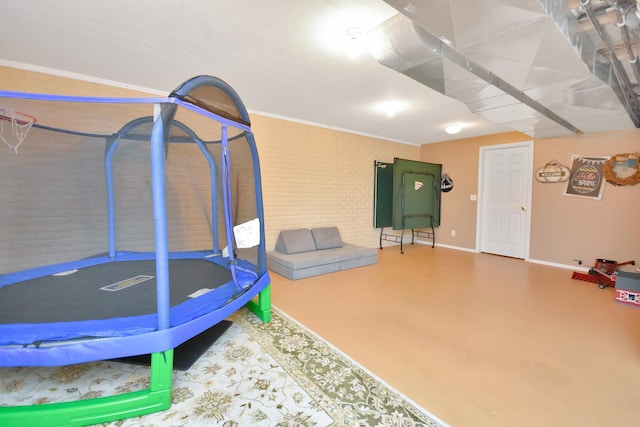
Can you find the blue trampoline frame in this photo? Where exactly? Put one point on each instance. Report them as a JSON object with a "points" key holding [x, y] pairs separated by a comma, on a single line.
{"points": [[161, 335]]}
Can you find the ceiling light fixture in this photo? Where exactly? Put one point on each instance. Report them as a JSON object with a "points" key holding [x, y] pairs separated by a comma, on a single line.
{"points": [[355, 33], [355, 45], [391, 108], [346, 32], [453, 128]]}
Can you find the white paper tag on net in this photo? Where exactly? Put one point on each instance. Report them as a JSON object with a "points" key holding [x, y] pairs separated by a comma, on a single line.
{"points": [[247, 234]]}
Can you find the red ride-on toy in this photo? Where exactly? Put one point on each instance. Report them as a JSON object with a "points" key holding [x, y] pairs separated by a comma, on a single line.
{"points": [[603, 272]]}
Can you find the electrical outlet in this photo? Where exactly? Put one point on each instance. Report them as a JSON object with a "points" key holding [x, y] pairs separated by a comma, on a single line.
{"points": [[453, 233]]}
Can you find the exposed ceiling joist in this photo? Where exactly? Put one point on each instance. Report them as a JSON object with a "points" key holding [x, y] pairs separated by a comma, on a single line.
{"points": [[564, 74]]}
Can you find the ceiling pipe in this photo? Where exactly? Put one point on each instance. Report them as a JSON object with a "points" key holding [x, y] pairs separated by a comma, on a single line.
{"points": [[626, 39], [623, 12], [476, 69], [469, 49], [411, 50], [631, 99]]}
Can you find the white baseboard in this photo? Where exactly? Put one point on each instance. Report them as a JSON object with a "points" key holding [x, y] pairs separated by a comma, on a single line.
{"points": [[555, 264], [457, 248], [531, 260]]}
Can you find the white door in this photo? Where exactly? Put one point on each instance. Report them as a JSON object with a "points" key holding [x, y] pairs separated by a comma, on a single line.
{"points": [[504, 195]]}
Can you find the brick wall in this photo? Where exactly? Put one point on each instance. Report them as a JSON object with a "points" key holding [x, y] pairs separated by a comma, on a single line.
{"points": [[314, 176]]}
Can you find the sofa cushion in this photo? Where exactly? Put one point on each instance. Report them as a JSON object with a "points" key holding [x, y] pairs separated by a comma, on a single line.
{"points": [[327, 237], [304, 259], [350, 251], [295, 241], [300, 273]]}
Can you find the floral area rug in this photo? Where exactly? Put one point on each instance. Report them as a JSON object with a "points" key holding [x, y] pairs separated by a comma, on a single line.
{"points": [[256, 374]]}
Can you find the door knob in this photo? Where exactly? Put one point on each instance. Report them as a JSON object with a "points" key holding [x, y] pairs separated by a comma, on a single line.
{"points": [[523, 208]]}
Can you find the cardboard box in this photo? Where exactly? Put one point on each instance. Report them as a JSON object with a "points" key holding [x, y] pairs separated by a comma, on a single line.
{"points": [[628, 288]]}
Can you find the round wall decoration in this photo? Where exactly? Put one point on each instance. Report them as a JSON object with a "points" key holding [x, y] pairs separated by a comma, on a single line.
{"points": [[622, 169], [553, 172]]}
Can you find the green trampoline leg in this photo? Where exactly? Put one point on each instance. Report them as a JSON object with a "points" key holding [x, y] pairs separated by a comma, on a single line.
{"points": [[262, 308], [101, 410]]}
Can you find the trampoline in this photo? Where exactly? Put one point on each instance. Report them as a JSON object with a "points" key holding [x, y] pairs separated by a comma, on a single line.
{"points": [[128, 226]]}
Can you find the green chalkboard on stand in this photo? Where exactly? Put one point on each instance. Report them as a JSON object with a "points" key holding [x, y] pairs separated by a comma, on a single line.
{"points": [[407, 197], [416, 194]]}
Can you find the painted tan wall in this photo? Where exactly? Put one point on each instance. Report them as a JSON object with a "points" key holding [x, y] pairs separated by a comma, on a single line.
{"points": [[29, 81], [312, 176], [460, 159], [563, 228], [315, 176], [566, 228]]}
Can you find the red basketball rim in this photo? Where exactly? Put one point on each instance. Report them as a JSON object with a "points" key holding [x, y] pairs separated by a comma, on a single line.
{"points": [[17, 116]]}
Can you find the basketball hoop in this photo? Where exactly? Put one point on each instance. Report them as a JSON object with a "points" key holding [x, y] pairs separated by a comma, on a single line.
{"points": [[20, 125]]}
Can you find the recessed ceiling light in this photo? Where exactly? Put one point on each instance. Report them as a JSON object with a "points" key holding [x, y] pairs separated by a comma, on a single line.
{"points": [[453, 128], [346, 32], [391, 108]]}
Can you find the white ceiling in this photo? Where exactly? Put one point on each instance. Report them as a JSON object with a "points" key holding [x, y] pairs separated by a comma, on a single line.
{"points": [[285, 58]]}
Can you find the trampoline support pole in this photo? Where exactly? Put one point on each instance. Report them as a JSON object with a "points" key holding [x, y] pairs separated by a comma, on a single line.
{"points": [[262, 308], [161, 370], [112, 145], [160, 134]]}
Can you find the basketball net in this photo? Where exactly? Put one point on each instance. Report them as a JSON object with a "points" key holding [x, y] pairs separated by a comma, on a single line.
{"points": [[20, 125]]}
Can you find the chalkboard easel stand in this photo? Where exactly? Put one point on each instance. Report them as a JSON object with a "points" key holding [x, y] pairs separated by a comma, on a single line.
{"points": [[414, 233], [394, 207], [426, 234], [389, 237], [420, 233]]}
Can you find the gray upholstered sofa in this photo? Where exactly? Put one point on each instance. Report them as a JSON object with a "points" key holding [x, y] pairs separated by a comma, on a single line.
{"points": [[307, 252]]}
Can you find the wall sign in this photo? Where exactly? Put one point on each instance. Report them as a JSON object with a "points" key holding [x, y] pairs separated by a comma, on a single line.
{"points": [[553, 172], [586, 177]]}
